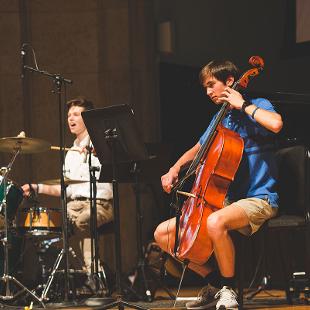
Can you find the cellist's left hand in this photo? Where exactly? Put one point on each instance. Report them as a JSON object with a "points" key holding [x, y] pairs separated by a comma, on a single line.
{"points": [[233, 97], [268, 119]]}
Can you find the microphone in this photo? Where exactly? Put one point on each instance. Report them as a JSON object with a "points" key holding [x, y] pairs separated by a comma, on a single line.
{"points": [[23, 54]]}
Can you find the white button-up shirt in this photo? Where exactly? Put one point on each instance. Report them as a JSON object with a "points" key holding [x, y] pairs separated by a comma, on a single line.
{"points": [[77, 168]]}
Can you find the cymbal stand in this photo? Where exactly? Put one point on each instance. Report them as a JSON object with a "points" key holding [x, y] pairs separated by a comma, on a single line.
{"points": [[7, 278]]}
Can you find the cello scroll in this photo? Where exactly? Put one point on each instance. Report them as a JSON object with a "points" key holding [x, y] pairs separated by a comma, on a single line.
{"points": [[258, 63]]}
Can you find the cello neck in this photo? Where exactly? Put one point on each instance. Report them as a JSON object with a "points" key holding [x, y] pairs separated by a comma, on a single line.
{"points": [[205, 146]]}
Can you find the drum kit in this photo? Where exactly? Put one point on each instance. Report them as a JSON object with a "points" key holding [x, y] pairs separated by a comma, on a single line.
{"points": [[43, 224]]}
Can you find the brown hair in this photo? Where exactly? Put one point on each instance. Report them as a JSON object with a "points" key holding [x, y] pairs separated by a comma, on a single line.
{"points": [[220, 69], [80, 102]]}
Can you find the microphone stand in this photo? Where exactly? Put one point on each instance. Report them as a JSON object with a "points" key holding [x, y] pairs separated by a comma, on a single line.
{"points": [[59, 81]]}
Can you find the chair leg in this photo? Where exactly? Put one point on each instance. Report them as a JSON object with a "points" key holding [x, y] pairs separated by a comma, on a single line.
{"points": [[240, 269], [240, 290]]}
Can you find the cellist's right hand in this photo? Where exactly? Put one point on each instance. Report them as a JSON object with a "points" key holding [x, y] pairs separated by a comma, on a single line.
{"points": [[172, 177], [169, 179]]}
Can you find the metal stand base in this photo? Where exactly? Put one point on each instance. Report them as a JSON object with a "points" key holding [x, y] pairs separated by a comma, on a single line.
{"points": [[99, 278], [101, 282], [262, 287], [52, 275], [120, 304], [161, 284], [143, 273], [9, 296]]}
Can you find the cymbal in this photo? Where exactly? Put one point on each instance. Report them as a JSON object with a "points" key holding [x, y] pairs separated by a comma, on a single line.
{"points": [[67, 181], [26, 145]]}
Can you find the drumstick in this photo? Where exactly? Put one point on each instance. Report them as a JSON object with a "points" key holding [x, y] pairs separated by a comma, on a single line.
{"points": [[57, 148]]}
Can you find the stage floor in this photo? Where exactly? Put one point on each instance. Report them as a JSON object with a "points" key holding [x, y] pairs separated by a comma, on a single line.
{"points": [[271, 299]]}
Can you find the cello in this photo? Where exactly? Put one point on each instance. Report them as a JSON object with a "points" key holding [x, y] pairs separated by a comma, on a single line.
{"points": [[214, 166]]}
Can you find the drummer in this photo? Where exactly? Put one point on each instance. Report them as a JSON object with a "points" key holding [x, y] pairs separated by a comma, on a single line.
{"points": [[77, 168]]}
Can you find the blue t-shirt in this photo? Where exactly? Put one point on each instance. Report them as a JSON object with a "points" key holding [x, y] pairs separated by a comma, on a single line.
{"points": [[257, 173]]}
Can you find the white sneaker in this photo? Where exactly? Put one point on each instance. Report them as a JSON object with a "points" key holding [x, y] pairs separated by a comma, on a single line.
{"points": [[227, 299], [205, 299]]}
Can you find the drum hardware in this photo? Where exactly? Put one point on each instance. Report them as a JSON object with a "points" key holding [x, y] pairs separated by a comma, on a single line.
{"points": [[43, 246], [39, 221], [19, 147], [51, 268], [13, 197], [50, 284], [56, 270]]}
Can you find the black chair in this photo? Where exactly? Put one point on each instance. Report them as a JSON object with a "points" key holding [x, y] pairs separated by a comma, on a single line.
{"points": [[294, 215]]}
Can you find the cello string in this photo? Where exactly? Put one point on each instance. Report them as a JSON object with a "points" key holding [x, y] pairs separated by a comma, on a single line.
{"points": [[168, 238]]}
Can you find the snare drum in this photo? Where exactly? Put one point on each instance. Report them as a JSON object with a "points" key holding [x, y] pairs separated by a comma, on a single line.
{"points": [[14, 196], [39, 221]]}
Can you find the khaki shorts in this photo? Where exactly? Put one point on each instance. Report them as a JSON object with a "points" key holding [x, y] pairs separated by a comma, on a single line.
{"points": [[258, 211], [79, 213]]}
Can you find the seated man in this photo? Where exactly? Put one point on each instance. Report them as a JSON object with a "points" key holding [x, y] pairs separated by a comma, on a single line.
{"points": [[252, 197]]}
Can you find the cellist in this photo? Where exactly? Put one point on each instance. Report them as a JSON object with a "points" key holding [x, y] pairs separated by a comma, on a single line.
{"points": [[252, 196]]}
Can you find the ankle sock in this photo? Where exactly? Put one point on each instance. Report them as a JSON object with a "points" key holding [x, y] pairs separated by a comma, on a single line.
{"points": [[228, 281], [213, 278]]}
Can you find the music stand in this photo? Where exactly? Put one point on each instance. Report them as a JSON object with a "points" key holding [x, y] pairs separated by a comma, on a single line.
{"points": [[145, 171], [116, 140]]}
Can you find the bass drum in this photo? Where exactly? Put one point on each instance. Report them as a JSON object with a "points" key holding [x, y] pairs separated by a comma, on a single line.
{"points": [[39, 221], [14, 196]]}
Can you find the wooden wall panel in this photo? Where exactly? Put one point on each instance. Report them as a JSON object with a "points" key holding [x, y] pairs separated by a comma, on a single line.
{"points": [[92, 43]]}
